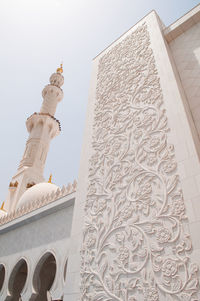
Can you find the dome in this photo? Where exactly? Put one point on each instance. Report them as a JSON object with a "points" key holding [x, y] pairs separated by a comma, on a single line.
{"points": [[2, 213], [36, 192]]}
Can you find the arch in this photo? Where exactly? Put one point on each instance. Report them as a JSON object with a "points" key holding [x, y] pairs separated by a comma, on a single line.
{"points": [[17, 279], [44, 276], [2, 275]]}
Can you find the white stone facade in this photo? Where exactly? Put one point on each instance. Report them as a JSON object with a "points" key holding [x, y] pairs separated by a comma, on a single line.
{"points": [[130, 232], [136, 233], [43, 231]]}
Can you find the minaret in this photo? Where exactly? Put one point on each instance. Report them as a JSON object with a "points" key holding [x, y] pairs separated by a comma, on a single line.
{"points": [[42, 127]]}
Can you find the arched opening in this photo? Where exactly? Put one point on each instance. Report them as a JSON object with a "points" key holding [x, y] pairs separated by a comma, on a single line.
{"points": [[2, 275], [17, 280], [44, 276]]}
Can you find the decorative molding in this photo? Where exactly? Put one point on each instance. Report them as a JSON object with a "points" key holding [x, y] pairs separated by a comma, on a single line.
{"points": [[135, 240], [45, 200], [13, 184], [46, 114]]}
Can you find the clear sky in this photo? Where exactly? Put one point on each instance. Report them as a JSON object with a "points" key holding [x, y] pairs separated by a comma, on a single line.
{"points": [[36, 35]]}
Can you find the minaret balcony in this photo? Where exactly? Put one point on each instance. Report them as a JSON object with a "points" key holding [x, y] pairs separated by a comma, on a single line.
{"points": [[46, 120]]}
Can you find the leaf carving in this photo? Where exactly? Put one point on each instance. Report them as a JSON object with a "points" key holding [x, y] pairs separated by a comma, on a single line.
{"points": [[134, 243]]}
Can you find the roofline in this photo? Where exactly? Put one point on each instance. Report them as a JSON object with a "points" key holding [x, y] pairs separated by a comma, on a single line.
{"points": [[124, 33], [59, 204], [182, 24], [171, 31]]}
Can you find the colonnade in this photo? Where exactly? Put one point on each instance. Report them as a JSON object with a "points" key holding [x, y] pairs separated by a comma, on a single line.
{"points": [[41, 280]]}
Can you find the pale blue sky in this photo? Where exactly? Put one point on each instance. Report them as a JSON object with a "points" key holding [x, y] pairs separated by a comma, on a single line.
{"points": [[35, 36]]}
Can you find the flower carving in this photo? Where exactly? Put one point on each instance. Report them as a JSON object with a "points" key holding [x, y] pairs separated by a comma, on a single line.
{"points": [[145, 189], [91, 241], [154, 143], [178, 206], [137, 134], [169, 166], [169, 267], [134, 242], [127, 213], [123, 255], [151, 294], [152, 159], [163, 235]]}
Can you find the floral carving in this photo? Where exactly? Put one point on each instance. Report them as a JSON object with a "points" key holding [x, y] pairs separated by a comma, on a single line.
{"points": [[169, 268], [163, 235], [151, 294], [135, 246]]}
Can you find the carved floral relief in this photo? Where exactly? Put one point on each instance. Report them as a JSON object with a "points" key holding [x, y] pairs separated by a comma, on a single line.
{"points": [[135, 246]]}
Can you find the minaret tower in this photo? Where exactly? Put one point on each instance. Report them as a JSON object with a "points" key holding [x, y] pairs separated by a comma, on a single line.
{"points": [[42, 127]]}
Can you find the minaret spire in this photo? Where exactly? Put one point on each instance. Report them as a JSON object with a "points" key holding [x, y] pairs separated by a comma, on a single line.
{"points": [[42, 127], [60, 69], [52, 93]]}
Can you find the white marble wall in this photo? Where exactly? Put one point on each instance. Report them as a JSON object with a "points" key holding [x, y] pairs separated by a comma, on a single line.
{"points": [[33, 239], [117, 71], [131, 237], [185, 50], [186, 53]]}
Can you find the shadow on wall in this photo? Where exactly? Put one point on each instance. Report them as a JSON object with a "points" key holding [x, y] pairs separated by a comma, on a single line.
{"points": [[185, 50], [2, 276], [17, 280], [42, 281], [44, 277]]}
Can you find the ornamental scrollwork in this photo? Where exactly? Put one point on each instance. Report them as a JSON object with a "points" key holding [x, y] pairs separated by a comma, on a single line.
{"points": [[135, 241]]}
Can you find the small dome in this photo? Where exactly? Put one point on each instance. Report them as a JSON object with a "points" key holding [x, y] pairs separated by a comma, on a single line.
{"points": [[2, 213], [36, 192]]}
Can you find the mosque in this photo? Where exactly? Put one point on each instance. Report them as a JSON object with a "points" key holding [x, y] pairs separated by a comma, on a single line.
{"points": [[128, 229]]}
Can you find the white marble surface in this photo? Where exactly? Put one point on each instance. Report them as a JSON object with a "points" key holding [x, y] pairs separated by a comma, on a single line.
{"points": [[182, 135], [34, 237]]}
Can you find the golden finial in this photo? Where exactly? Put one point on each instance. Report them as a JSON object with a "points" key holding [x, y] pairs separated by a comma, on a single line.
{"points": [[60, 69], [2, 206], [50, 178]]}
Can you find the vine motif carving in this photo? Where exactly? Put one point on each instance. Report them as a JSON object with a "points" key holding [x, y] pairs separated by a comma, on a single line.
{"points": [[135, 241]]}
